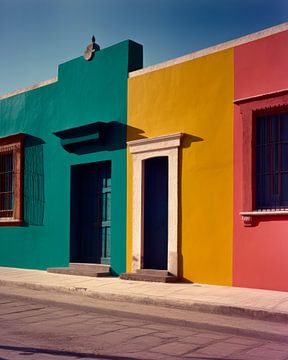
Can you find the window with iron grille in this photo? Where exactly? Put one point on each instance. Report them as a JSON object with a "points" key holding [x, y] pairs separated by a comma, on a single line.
{"points": [[264, 123], [271, 161], [11, 175]]}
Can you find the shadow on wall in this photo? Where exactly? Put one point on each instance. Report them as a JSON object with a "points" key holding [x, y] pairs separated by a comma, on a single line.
{"points": [[257, 220], [114, 137], [186, 142], [135, 133], [33, 181]]}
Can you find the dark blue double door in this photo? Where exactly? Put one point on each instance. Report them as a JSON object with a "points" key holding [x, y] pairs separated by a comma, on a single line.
{"points": [[90, 227], [156, 213]]}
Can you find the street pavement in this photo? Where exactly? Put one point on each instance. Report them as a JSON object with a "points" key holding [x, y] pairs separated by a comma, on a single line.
{"points": [[260, 304], [256, 319], [42, 329]]}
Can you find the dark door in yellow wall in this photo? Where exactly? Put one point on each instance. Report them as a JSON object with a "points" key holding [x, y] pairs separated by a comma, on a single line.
{"points": [[156, 213]]}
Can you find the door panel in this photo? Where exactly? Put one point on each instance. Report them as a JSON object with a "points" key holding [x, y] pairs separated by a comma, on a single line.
{"points": [[104, 225], [156, 213], [90, 213]]}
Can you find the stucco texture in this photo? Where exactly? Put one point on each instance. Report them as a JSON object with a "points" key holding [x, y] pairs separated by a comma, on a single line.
{"points": [[195, 98], [86, 92], [260, 251]]}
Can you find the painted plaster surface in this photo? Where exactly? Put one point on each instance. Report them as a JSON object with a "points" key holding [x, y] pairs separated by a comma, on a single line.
{"points": [[260, 252], [213, 49], [86, 92], [195, 98], [261, 66]]}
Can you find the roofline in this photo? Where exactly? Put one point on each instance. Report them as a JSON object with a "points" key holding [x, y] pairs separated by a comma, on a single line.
{"points": [[213, 49], [210, 50], [28, 88]]}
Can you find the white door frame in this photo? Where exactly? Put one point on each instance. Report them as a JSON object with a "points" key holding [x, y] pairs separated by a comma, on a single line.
{"points": [[142, 150]]}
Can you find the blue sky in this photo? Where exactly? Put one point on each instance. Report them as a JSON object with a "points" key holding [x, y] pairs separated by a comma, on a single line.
{"points": [[37, 35]]}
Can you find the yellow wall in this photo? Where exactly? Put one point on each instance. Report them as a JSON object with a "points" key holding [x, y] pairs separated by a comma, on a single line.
{"points": [[196, 98]]}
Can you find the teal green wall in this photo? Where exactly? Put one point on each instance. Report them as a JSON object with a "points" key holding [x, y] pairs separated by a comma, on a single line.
{"points": [[86, 92]]}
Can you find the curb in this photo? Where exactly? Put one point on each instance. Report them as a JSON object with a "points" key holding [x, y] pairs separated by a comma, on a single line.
{"points": [[158, 314], [217, 309]]}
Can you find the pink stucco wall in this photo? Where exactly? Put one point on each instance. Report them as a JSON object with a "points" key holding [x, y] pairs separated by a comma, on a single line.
{"points": [[260, 252]]}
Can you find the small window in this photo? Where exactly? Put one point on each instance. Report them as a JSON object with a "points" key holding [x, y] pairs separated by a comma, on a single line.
{"points": [[271, 161], [11, 179]]}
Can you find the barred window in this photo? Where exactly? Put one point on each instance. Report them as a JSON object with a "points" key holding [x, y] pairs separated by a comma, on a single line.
{"points": [[264, 155], [271, 161], [11, 175]]}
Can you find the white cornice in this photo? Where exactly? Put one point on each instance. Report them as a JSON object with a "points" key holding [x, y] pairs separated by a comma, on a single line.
{"points": [[28, 88], [213, 49], [157, 143]]}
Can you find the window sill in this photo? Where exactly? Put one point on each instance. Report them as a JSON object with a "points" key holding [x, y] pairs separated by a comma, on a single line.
{"points": [[11, 222], [247, 216]]}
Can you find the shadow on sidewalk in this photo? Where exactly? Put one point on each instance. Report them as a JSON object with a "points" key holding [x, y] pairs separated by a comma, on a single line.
{"points": [[79, 355]]}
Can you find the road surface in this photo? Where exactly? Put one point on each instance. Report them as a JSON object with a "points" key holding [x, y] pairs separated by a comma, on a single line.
{"points": [[33, 329]]}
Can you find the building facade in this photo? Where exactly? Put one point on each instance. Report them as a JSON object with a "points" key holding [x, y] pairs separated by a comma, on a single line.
{"points": [[224, 112], [182, 166], [65, 145]]}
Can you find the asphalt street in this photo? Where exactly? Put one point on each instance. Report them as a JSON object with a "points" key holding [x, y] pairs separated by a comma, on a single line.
{"points": [[34, 329]]}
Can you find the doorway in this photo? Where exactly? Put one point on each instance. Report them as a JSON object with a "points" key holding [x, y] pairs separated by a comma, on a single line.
{"points": [[143, 150], [156, 213], [90, 223]]}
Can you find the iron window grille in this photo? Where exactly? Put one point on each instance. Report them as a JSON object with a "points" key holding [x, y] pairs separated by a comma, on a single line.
{"points": [[264, 141], [271, 161]]}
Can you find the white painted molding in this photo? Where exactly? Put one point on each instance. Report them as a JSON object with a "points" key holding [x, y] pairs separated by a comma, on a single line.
{"points": [[142, 150], [29, 88], [213, 49], [156, 143], [247, 216], [264, 212]]}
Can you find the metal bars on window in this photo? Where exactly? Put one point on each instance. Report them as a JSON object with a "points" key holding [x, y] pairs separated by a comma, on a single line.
{"points": [[271, 160]]}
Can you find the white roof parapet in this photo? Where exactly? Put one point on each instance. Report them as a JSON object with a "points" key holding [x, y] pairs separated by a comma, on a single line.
{"points": [[210, 50], [28, 88], [213, 49]]}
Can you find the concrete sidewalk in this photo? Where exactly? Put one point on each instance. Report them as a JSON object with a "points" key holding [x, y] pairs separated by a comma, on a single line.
{"points": [[257, 304]]}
